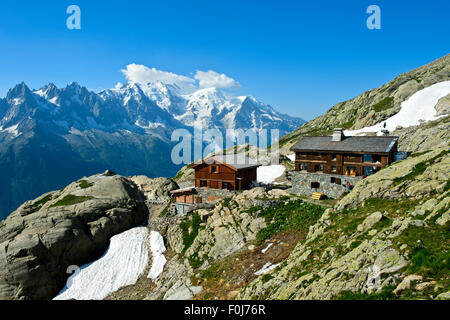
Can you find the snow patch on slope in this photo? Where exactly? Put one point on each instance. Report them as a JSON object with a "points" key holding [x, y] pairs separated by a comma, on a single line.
{"points": [[268, 174], [419, 107], [12, 130], [266, 268], [291, 157], [121, 265], [157, 247]]}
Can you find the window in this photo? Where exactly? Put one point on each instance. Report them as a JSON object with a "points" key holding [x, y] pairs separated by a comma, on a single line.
{"points": [[315, 185], [333, 157], [202, 183], [351, 171], [225, 185], [213, 169], [303, 166], [333, 169], [335, 180], [367, 158], [318, 168], [376, 159]]}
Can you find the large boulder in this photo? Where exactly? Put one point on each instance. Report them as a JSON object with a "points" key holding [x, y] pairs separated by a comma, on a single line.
{"points": [[155, 188], [72, 226], [443, 106]]}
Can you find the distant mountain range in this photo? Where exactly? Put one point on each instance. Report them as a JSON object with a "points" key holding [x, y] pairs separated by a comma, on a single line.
{"points": [[51, 136]]}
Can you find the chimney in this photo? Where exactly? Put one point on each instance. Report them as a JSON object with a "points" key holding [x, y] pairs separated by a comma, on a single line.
{"points": [[384, 132], [338, 135]]}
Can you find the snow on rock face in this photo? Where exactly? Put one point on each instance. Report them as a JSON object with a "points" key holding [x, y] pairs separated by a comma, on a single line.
{"points": [[266, 268], [268, 174], [266, 248], [291, 157], [419, 107], [157, 247], [121, 265], [12, 130]]}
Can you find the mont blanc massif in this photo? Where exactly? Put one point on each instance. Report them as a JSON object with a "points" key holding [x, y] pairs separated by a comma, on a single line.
{"points": [[52, 136]]}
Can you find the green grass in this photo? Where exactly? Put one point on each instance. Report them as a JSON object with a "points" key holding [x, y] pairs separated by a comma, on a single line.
{"points": [[20, 231], [429, 250], [266, 277], [384, 104], [195, 261], [347, 220], [447, 186], [38, 205], [192, 225], [70, 200], [295, 215], [166, 208], [418, 154], [213, 272], [179, 175], [84, 184], [226, 202], [355, 244], [385, 294], [419, 168]]}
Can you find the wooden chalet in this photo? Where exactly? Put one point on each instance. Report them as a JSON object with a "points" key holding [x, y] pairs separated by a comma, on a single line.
{"points": [[338, 154], [185, 195], [231, 172]]}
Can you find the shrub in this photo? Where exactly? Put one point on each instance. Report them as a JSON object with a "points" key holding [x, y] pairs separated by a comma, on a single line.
{"points": [[194, 225], [70, 200], [384, 104], [295, 215], [385, 294], [84, 184]]}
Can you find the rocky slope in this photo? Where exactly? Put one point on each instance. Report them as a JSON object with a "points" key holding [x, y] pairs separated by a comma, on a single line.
{"points": [[71, 226], [375, 105], [388, 238]]}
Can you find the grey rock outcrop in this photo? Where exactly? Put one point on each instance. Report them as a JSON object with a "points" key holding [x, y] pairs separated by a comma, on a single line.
{"points": [[72, 226], [443, 106], [155, 188]]}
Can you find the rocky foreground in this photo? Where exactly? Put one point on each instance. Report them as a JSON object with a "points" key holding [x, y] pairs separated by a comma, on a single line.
{"points": [[72, 226], [387, 239]]}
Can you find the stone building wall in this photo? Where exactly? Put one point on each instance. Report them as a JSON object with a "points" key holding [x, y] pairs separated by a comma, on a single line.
{"points": [[210, 194], [302, 182]]}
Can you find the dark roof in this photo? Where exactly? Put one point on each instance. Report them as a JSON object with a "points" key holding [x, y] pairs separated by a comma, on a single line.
{"points": [[237, 161], [382, 144]]}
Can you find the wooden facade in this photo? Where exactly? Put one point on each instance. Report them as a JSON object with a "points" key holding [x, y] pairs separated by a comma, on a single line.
{"points": [[350, 164], [351, 156], [220, 175], [185, 195]]}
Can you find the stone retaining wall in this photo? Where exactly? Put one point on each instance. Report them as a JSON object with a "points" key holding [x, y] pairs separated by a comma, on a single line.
{"points": [[211, 195], [302, 181]]}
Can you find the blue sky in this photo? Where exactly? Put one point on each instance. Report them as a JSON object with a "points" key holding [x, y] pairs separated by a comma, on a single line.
{"points": [[301, 57]]}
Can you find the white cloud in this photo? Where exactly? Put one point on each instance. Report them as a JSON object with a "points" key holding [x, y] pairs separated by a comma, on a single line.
{"points": [[143, 75], [208, 79], [202, 79]]}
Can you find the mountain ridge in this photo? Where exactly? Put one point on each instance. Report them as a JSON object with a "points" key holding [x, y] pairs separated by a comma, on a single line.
{"points": [[126, 129]]}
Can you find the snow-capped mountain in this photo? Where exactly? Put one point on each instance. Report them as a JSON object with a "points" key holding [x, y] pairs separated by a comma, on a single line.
{"points": [[51, 136], [156, 105]]}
